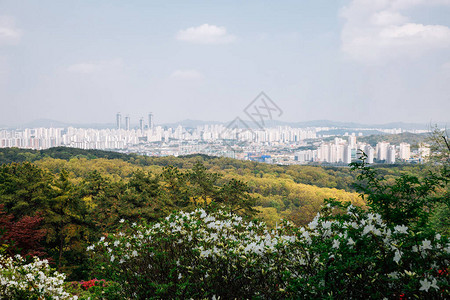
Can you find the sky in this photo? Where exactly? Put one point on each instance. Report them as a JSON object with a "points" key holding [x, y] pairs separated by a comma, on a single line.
{"points": [[367, 61]]}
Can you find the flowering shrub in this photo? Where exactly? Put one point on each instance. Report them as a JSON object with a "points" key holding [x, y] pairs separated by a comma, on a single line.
{"points": [[351, 254], [195, 255], [93, 282], [92, 289], [21, 236], [35, 280], [354, 253]]}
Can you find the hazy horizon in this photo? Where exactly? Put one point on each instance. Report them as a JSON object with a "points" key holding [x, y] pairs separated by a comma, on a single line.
{"points": [[190, 123], [135, 123], [369, 62]]}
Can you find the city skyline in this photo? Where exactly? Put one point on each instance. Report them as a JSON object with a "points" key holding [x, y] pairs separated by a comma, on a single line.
{"points": [[279, 145], [359, 61]]}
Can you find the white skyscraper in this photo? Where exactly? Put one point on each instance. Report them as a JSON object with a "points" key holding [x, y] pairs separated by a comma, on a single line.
{"points": [[119, 120], [382, 150], [405, 151], [352, 141], [347, 154], [390, 159], [141, 124], [150, 121], [127, 122], [324, 153], [370, 154]]}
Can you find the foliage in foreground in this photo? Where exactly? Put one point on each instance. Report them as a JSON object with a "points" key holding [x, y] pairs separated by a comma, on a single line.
{"points": [[33, 280], [56, 217], [344, 253], [409, 199]]}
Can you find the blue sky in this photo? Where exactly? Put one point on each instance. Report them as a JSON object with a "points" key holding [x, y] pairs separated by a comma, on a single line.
{"points": [[370, 61]]}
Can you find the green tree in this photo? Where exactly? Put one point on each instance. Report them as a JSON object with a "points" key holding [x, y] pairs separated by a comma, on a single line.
{"points": [[101, 196], [440, 146], [408, 199], [142, 198], [202, 184], [235, 196], [174, 188], [24, 188], [64, 220]]}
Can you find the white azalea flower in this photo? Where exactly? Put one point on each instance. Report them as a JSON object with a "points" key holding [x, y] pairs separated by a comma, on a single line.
{"points": [[327, 224], [367, 229], [400, 229], [425, 285], [336, 244], [426, 244], [397, 256], [313, 224]]}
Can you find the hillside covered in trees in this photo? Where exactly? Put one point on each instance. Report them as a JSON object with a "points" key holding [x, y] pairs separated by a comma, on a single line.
{"points": [[321, 176], [76, 195], [405, 137], [56, 203]]}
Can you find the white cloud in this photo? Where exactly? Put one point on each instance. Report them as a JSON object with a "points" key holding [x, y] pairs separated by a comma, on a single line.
{"points": [[405, 4], [377, 31], [187, 75], [386, 18], [206, 34], [94, 67], [9, 34]]}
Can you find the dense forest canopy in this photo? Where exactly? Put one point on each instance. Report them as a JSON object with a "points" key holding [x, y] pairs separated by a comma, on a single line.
{"points": [[321, 176]]}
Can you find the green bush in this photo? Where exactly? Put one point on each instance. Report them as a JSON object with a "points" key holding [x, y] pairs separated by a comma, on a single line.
{"points": [[344, 253]]}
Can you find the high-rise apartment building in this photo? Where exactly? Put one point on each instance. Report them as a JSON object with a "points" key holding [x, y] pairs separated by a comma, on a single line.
{"points": [[405, 151], [141, 124], [352, 141], [370, 154], [390, 159], [347, 157], [127, 122], [150, 121], [382, 150], [119, 120]]}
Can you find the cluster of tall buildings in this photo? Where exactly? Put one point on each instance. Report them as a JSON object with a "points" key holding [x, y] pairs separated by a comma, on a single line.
{"points": [[142, 125], [345, 151], [32, 138], [123, 138]]}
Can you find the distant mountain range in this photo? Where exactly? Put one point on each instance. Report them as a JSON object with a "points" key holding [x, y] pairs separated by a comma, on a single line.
{"points": [[194, 123], [46, 123], [191, 123], [315, 123]]}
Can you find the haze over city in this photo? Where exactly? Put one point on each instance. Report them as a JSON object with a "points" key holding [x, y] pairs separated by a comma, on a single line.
{"points": [[371, 62]]}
